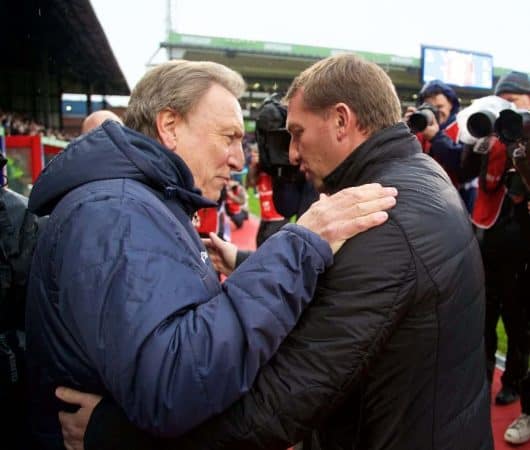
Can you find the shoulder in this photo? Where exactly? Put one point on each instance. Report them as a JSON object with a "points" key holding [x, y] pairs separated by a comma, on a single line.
{"points": [[119, 212]]}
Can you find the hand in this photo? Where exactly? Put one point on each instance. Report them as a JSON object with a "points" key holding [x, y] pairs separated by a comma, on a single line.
{"points": [[410, 110], [431, 130], [222, 254], [351, 211], [483, 145], [74, 424]]}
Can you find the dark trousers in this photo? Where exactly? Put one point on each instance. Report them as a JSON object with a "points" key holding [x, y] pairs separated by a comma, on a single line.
{"points": [[506, 299], [239, 218], [525, 383]]}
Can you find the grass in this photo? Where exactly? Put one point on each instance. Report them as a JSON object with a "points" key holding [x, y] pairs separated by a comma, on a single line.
{"points": [[253, 203], [501, 338]]}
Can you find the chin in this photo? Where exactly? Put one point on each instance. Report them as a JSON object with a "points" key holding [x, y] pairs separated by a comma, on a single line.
{"points": [[317, 183], [214, 196]]}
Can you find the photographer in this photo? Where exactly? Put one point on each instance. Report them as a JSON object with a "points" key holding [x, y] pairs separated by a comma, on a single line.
{"points": [[18, 235], [282, 188], [270, 220], [438, 134], [514, 87], [501, 217], [236, 200]]}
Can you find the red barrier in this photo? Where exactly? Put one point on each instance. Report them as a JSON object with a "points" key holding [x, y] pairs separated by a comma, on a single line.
{"points": [[33, 143]]}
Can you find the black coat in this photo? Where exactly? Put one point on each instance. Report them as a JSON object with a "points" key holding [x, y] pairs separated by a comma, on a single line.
{"points": [[389, 355]]}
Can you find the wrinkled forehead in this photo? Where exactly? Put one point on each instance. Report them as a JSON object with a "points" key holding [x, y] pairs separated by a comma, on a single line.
{"points": [[219, 106]]}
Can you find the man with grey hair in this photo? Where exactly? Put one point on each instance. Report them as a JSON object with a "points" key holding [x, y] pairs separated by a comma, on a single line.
{"points": [[123, 300], [389, 354]]}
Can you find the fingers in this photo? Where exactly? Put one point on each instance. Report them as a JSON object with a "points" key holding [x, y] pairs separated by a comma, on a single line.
{"points": [[72, 430], [347, 229], [64, 419], [216, 240], [74, 397], [349, 212], [357, 210], [227, 252], [355, 201], [69, 395], [362, 193], [410, 110]]}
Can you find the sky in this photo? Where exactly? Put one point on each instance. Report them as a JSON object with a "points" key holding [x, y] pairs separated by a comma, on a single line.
{"points": [[135, 28]]}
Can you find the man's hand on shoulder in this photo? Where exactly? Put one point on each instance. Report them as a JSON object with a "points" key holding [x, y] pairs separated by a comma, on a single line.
{"points": [[340, 216]]}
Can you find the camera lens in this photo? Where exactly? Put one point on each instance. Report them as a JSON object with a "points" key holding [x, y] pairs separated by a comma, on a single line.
{"points": [[480, 124]]}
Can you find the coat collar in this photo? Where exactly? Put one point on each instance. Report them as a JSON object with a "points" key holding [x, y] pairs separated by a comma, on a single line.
{"points": [[392, 142]]}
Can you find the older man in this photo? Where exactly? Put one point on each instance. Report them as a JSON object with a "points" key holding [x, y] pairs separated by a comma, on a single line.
{"points": [[389, 355], [123, 300]]}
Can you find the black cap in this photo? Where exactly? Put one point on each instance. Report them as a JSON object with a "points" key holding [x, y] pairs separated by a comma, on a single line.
{"points": [[513, 83]]}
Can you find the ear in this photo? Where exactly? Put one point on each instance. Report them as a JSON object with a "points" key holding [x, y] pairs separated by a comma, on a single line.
{"points": [[166, 126], [345, 119]]}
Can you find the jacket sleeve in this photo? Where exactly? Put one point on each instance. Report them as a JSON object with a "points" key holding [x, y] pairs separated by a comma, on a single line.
{"points": [[447, 152], [359, 302], [169, 343]]}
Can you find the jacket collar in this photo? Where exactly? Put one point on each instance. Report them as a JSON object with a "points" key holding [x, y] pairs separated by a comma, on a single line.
{"points": [[112, 151], [392, 142]]}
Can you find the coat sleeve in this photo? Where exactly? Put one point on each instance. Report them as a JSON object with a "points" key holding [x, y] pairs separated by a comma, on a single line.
{"points": [[447, 152], [169, 343], [359, 302]]}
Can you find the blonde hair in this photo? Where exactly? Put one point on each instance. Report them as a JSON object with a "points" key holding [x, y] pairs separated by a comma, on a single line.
{"points": [[178, 85], [347, 78]]}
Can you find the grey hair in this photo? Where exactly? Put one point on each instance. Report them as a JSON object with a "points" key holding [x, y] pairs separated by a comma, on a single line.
{"points": [[178, 85]]}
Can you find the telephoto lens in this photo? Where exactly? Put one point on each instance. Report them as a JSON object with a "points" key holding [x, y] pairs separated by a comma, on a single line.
{"points": [[481, 124], [512, 126], [422, 117]]}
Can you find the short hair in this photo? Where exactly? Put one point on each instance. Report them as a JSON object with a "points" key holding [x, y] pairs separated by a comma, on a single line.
{"points": [[178, 85], [360, 84]]}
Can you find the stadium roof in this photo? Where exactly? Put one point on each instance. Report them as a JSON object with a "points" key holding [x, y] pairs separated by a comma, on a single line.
{"points": [[60, 39], [278, 60], [257, 60]]}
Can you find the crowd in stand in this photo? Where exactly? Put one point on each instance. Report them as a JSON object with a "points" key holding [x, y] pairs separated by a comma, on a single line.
{"points": [[18, 124]]}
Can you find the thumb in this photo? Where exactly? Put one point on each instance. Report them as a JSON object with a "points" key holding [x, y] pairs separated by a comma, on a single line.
{"points": [[74, 397], [216, 240]]}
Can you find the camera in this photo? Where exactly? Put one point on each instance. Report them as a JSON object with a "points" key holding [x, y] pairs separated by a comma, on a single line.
{"points": [[481, 123], [509, 125], [422, 117], [478, 120], [513, 126], [274, 140], [292, 194]]}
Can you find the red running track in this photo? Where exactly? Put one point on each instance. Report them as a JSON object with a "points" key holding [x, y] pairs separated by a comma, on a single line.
{"points": [[501, 416]]}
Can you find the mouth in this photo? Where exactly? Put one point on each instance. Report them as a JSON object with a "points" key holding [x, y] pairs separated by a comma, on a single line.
{"points": [[225, 180]]}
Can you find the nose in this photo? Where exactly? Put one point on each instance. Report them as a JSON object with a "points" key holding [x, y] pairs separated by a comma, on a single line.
{"points": [[294, 157], [236, 158]]}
